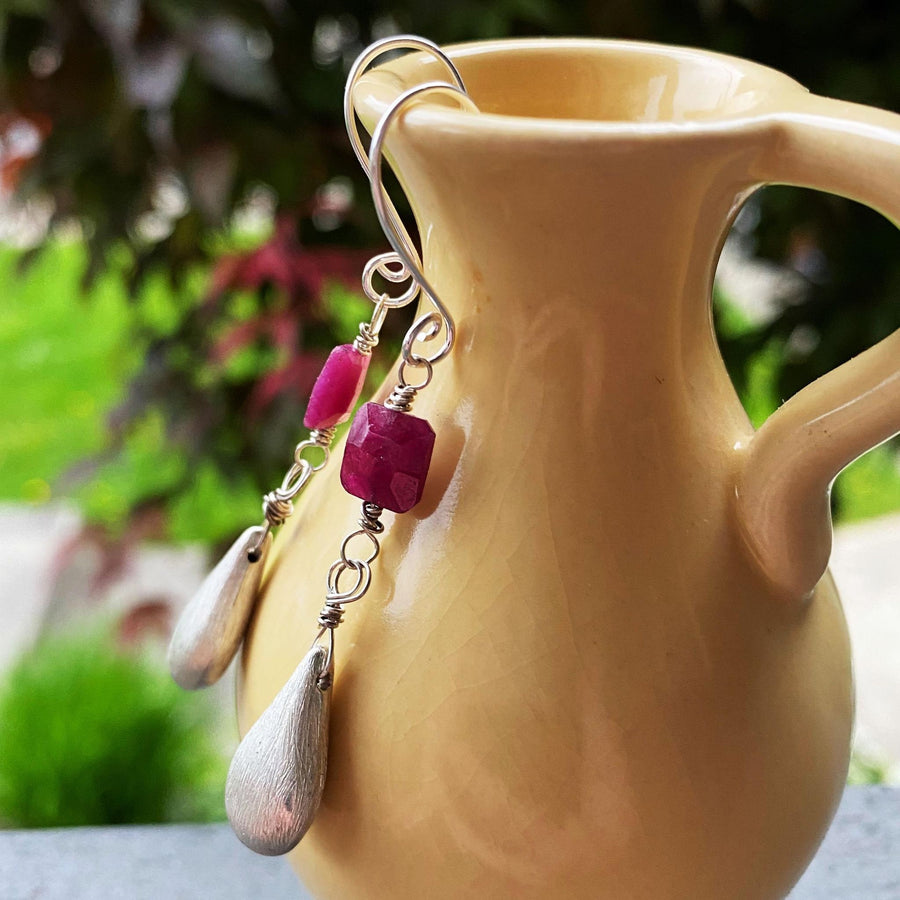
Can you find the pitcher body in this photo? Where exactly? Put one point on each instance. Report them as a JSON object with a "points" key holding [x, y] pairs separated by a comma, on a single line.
{"points": [[586, 666]]}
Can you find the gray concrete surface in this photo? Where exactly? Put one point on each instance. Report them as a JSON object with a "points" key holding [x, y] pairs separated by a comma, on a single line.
{"points": [[860, 857], [865, 563], [859, 860], [49, 578], [164, 862], [30, 543]]}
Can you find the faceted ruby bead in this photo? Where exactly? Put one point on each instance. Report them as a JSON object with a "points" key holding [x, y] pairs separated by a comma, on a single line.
{"points": [[387, 457], [337, 388]]}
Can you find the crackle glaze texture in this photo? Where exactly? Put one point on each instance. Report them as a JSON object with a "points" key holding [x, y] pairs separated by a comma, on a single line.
{"points": [[600, 659]]}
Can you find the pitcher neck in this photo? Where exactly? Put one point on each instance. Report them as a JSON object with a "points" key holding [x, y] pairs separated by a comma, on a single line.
{"points": [[576, 242]]}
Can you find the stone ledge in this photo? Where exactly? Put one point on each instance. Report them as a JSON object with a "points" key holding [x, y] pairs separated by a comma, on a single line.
{"points": [[860, 857], [860, 860]]}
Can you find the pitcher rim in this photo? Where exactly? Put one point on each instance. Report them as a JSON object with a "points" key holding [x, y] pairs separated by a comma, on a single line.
{"points": [[377, 89]]}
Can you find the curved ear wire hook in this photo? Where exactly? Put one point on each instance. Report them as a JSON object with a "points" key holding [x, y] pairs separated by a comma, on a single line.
{"points": [[384, 264], [427, 326], [379, 48]]}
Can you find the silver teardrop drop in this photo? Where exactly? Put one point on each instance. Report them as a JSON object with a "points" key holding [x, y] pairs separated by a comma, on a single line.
{"points": [[212, 625], [277, 776]]}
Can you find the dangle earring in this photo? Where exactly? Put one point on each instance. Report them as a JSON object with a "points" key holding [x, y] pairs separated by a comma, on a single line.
{"points": [[277, 776], [212, 626]]}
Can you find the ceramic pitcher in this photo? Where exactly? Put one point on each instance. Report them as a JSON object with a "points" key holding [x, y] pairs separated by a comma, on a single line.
{"points": [[603, 657]]}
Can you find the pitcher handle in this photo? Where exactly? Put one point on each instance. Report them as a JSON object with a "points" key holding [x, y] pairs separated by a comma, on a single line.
{"points": [[784, 485]]}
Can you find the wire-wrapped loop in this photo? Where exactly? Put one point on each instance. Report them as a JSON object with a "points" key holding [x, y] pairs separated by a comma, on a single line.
{"points": [[363, 580], [319, 440], [402, 398], [278, 504], [276, 509], [371, 517], [331, 615]]}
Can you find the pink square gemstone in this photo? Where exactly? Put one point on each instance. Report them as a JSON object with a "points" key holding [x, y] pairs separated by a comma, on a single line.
{"points": [[337, 388], [387, 456]]}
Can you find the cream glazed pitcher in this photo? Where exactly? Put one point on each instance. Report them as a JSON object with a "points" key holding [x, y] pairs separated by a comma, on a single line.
{"points": [[603, 657]]}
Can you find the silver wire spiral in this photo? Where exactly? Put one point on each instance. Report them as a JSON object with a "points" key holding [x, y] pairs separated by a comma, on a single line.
{"points": [[389, 266]]}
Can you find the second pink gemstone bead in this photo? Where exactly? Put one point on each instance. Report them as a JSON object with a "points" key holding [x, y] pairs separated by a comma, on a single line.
{"points": [[337, 388]]}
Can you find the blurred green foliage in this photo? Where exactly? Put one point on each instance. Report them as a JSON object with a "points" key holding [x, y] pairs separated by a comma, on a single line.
{"points": [[65, 364], [868, 487], [91, 735], [865, 771], [62, 365]]}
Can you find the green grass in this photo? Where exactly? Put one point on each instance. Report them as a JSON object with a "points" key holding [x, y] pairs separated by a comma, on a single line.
{"points": [[90, 735]]}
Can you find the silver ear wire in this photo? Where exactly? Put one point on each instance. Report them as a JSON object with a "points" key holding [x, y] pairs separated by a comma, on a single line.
{"points": [[427, 326], [365, 59], [424, 328], [405, 254]]}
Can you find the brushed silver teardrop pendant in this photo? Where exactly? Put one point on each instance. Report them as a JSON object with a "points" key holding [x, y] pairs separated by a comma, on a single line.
{"points": [[277, 776], [213, 624]]}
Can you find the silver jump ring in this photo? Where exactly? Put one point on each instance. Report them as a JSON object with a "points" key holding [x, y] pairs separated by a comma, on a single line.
{"points": [[379, 48], [300, 459], [376, 548], [387, 215], [426, 379]]}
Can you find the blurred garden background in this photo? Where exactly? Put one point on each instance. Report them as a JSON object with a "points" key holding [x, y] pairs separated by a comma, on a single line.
{"points": [[182, 227]]}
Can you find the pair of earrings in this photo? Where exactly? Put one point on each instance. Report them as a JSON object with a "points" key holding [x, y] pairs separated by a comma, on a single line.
{"points": [[277, 776]]}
